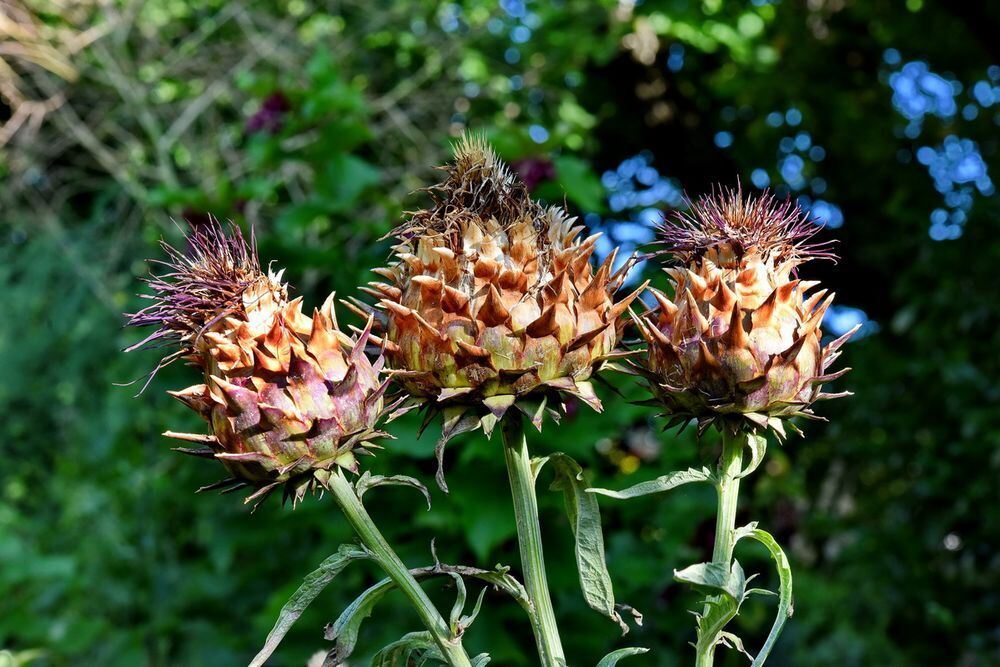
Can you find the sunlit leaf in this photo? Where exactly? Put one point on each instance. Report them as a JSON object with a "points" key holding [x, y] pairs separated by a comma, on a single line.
{"points": [[663, 483], [785, 607], [368, 481], [611, 659]]}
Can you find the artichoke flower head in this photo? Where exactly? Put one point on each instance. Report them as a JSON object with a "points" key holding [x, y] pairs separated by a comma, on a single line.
{"points": [[491, 301], [739, 340], [286, 396]]}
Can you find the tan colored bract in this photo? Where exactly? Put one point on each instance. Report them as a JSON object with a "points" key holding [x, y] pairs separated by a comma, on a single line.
{"points": [[491, 300], [740, 337]]}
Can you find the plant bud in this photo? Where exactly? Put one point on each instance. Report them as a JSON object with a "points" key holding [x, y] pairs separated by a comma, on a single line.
{"points": [[491, 301], [740, 336], [286, 395]]}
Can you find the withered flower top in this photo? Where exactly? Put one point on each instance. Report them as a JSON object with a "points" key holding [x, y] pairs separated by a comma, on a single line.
{"points": [[739, 338], [217, 274], [286, 396], [729, 228], [491, 300]]}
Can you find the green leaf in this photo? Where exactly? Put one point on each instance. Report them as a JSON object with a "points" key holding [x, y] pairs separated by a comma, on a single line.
{"points": [[311, 587], [347, 626], [368, 481], [468, 619], [537, 464], [415, 648], [785, 607], [719, 610], [582, 185], [455, 421], [713, 578], [726, 591], [663, 483], [459, 606], [585, 519], [21, 658], [499, 578], [729, 640], [611, 659], [757, 445]]}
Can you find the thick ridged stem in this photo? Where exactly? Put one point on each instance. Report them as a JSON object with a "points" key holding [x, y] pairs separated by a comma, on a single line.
{"points": [[529, 539], [730, 467], [396, 570]]}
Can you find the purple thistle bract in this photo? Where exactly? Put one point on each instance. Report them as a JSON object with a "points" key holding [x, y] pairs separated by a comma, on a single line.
{"points": [[286, 396]]}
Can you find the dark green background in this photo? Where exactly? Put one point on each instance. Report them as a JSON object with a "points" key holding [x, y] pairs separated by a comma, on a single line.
{"points": [[888, 512]]}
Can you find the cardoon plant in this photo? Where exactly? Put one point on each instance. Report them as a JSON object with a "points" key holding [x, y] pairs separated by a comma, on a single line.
{"points": [[492, 312], [290, 401], [736, 346]]}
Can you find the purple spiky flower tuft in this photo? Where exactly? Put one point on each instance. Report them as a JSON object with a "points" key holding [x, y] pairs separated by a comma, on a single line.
{"points": [[201, 285], [772, 229]]}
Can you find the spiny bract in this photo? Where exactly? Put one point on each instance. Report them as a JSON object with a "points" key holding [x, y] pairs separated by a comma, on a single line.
{"points": [[740, 337], [287, 396], [492, 301]]}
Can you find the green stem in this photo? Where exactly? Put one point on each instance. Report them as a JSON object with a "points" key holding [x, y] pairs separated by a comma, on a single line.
{"points": [[529, 538], [397, 571], [730, 467]]}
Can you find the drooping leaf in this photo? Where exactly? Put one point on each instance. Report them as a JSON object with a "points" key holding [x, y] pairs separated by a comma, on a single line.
{"points": [[311, 587], [500, 580], [663, 483], [345, 629], [757, 445], [785, 607], [368, 481], [585, 519], [729, 640], [456, 420], [611, 659]]}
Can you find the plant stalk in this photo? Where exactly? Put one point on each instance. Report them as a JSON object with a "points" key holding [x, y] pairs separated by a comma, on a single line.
{"points": [[728, 487], [396, 570], [529, 539]]}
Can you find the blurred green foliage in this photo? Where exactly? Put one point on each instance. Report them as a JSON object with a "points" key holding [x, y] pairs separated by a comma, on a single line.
{"points": [[315, 122]]}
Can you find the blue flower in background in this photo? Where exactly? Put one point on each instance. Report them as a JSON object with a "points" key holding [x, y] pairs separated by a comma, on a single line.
{"points": [[917, 92], [956, 165], [958, 170], [838, 320], [824, 213], [637, 193]]}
